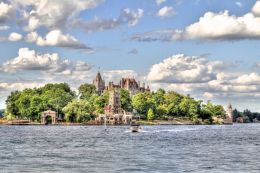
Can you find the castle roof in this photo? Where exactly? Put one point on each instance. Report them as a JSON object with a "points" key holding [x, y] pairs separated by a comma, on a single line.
{"points": [[98, 77]]}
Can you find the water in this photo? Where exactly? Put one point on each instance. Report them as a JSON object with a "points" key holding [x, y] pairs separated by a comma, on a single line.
{"points": [[231, 148]]}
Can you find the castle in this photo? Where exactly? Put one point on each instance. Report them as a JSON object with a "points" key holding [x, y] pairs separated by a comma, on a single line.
{"points": [[229, 115], [114, 114], [129, 84]]}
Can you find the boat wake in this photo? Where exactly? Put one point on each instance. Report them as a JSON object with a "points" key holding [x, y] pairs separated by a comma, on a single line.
{"points": [[159, 131]]}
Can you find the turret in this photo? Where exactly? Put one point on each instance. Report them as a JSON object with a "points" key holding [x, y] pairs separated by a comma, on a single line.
{"points": [[99, 84]]}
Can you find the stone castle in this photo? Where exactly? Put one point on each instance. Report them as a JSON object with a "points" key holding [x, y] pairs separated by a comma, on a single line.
{"points": [[114, 114], [229, 115], [129, 84]]}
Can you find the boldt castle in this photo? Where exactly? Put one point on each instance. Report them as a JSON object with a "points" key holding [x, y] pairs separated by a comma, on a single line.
{"points": [[129, 84]]}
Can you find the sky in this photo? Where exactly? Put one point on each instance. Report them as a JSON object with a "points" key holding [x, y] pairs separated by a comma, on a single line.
{"points": [[206, 48]]}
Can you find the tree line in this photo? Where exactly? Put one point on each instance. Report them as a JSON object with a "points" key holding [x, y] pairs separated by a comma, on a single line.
{"points": [[246, 116], [161, 104]]}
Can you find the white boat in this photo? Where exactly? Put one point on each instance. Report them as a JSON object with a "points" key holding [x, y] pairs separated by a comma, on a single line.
{"points": [[135, 127]]}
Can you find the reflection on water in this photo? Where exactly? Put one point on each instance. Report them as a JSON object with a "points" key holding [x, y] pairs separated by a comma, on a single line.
{"points": [[232, 148]]}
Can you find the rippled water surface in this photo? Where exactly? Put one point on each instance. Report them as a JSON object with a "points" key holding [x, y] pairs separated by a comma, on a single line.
{"points": [[231, 148]]}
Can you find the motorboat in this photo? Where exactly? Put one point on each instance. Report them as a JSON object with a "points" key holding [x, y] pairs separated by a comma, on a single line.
{"points": [[135, 127]]}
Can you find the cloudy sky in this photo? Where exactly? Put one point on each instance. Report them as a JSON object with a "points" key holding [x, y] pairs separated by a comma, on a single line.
{"points": [[207, 48]]}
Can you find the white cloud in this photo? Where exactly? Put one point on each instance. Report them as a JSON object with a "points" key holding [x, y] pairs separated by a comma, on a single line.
{"points": [[56, 38], [166, 12], [212, 26], [15, 86], [248, 79], [116, 75], [15, 37], [256, 9], [159, 2], [52, 14], [220, 26], [182, 69], [208, 95], [30, 60], [31, 37], [132, 17], [6, 11]]}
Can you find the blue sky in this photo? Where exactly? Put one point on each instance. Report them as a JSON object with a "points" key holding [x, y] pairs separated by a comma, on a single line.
{"points": [[208, 48]]}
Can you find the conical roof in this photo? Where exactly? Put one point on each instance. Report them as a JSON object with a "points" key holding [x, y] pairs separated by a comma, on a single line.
{"points": [[98, 77]]}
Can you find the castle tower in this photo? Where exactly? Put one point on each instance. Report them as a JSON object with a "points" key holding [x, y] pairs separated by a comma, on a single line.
{"points": [[229, 115], [99, 84], [114, 102]]}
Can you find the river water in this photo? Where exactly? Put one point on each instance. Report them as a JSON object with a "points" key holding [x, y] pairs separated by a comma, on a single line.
{"points": [[230, 148]]}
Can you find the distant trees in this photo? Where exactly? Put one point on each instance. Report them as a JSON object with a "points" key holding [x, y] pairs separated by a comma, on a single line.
{"points": [[2, 111], [247, 116], [166, 105]]}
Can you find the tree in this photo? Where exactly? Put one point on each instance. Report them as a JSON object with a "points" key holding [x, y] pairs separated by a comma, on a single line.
{"points": [[78, 111], [2, 111], [172, 103], [12, 109], [125, 99], [150, 114], [142, 102], [87, 90], [29, 103], [158, 97]]}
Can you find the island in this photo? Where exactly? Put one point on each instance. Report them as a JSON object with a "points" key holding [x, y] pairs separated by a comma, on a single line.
{"points": [[114, 104]]}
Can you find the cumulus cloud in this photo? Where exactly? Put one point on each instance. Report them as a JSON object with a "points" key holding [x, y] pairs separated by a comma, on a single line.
{"points": [[52, 14], [183, 69], [56, 38], [212, 26], [127, 16], [6, 11], [166, 12], [30, 60], [15, 37], [256, 9]]}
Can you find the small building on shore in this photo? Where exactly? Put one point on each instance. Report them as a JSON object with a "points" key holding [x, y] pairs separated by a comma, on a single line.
{"points": [[51, 115]]}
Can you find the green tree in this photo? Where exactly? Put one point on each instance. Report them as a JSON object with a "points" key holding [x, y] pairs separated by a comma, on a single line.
{"points": [[172, 103], [125, 99], [150, 114], [87, 90], [142, 102], [12, 109], [158, 97], [78, 111]]}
